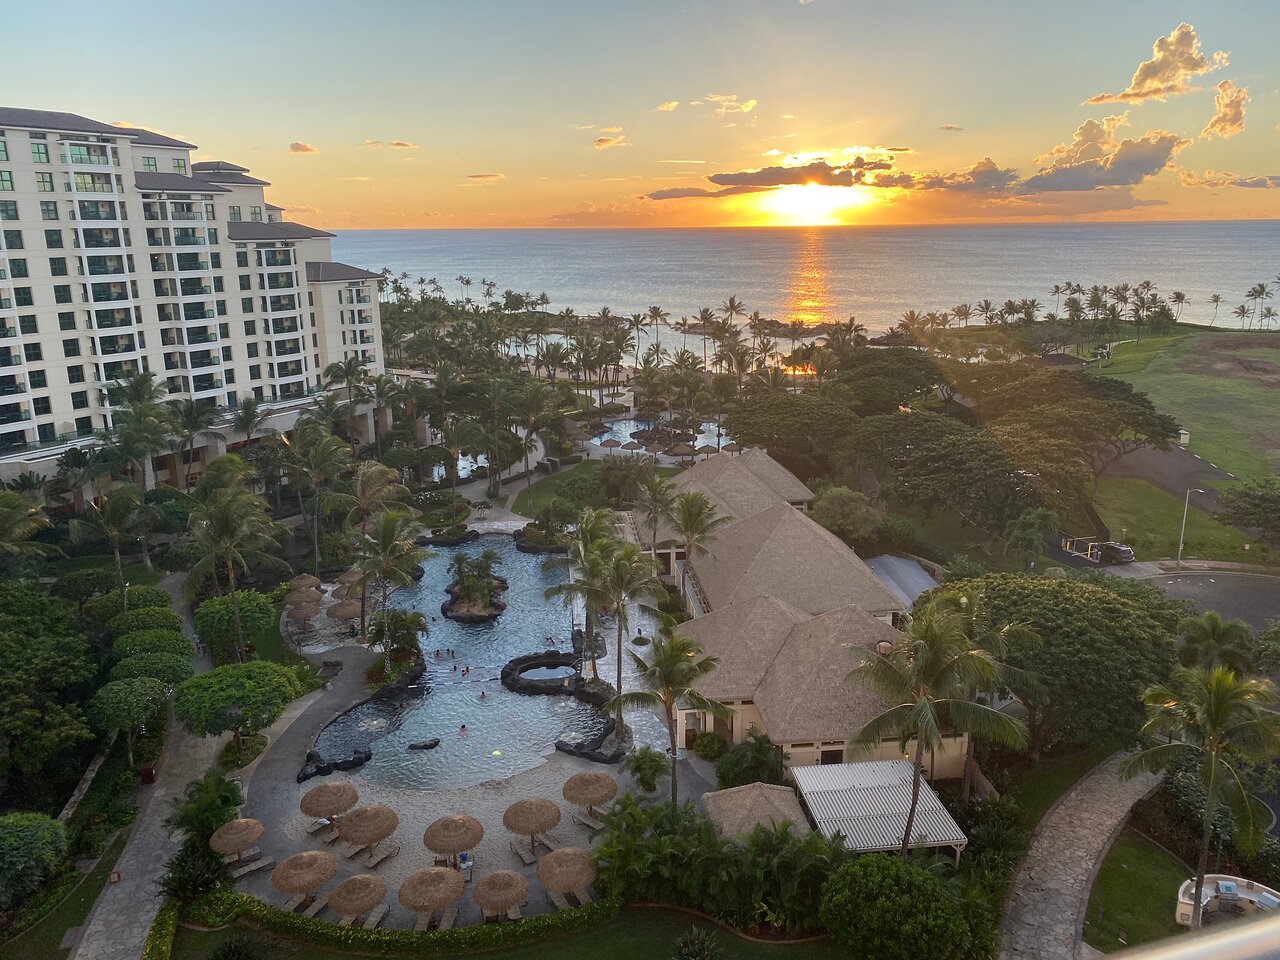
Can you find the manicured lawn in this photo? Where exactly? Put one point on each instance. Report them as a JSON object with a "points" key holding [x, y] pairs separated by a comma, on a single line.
{"points": [[1134, 895], [41, 941], [272, 646], [638, 934], [1149, 520], [1220, 386], [1038, 785]]}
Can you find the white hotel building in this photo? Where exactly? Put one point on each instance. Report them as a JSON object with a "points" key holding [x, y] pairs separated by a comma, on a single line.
{"points": [[119, 254]]}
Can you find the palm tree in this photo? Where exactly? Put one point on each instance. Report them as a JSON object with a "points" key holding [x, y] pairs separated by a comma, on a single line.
{"points": [[696, 522], [1216, 300], [349, 372], [373, 487], [1222, 721], [1210, 641], [668, 681], [592, 542], [115, 518], [931, 672], [388, 555], [318, 459], [249, 418], [533, 408], [655, 497], [233, 532], [39, 490], [627, 575], [193, 421], [20, 520], [382, 391]]}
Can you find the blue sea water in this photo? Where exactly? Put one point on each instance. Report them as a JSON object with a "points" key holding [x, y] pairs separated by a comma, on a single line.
{"points": [[829, 273]]}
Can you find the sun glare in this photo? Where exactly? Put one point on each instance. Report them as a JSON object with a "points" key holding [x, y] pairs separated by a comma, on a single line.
{"points": [[811, 204]]}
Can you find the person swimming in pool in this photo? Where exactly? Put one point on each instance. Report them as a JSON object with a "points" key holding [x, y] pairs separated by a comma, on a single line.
{"points": [[462, 730]]}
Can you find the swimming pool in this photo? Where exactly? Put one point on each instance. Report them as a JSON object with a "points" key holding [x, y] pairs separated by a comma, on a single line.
{"points": [[621, 431], [506, 732]]}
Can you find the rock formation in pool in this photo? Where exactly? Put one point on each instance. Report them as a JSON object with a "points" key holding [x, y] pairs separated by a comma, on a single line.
{"points": [[474, 592], [597, 694]]}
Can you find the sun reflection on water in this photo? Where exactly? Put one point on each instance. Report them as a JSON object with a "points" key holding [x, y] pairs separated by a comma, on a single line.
{"points": [[808, 294]]}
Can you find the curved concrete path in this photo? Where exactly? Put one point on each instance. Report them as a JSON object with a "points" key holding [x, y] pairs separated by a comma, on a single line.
{"points": [[1044, 914]]}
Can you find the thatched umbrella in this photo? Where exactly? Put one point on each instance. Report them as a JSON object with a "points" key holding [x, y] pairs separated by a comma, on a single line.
{"points": [[304, 580], [705, 449], [500, 890], [564, 870], [730, 447], [350, 576], [344, 592], [530, 817], [304, 872], [590, 789], [236, 837], [680, 450], [633, 445], [305, 612], [329, 799], [344, 610], [357, 895], [610, 443], [452, 835], [430, 890], [654, 448], [366, 826], [302, 596]]}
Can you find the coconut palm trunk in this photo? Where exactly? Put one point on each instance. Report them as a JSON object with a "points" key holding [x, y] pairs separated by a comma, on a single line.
{"points": [[917, 772]]}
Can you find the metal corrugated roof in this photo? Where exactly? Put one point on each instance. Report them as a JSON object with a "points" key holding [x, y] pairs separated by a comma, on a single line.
{"points": [[867, 804]]}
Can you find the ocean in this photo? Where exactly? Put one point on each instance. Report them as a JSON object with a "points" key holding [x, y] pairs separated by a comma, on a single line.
{"points": [[831, 273]]}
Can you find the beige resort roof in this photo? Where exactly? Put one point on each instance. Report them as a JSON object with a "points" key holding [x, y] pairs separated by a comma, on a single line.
{"points": [[794, 667], [739, 810]]}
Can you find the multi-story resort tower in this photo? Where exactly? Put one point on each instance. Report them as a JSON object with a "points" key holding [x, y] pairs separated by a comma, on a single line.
{"points": [[118, 254]]}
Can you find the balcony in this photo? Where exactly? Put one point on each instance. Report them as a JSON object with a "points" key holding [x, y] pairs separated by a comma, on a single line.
{"points": [[7, 332], [199, 363], [10, 386], [186, 215], [10, 359], [363, 298], [200, 315], [201, 265], [183, 240], [288, 351], [282, 327], [202, 338], [205, 383], [277, 258], [84, 158], [366, 338], [14, 414], [191, 290]]}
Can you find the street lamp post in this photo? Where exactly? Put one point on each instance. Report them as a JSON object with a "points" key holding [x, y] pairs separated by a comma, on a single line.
{"points": [[1182, 534]]}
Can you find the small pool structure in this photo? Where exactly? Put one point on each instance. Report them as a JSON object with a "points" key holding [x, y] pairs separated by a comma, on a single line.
{"points": [[506, 732], [621, 431]]}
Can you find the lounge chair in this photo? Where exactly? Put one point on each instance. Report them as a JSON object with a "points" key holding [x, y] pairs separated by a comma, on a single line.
{"points": [[558, 901], [355, 851], [244, 856], [375, 916], [588, 821], [318, 904], [513, 912], [318, 826], [253, 867], [346, 921], [583, 896], [380, 853], [491, 917], [524, 852], [447, 918], [294, 902], [424, 922], [547, 842]]}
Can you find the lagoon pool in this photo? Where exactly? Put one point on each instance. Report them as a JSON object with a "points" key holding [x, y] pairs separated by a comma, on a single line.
{"points": [[621, 431], [505, 732]]}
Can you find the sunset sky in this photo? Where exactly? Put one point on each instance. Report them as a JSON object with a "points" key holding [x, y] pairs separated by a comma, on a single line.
{"points": [[695, 113]]}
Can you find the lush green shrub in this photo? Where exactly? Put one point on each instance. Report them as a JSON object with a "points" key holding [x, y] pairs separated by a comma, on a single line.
{"points": [[240, 697], [180, 556], [961, 566], [892, 909], [710, 745], [216, 624], [194, 871], [140, 598], [698, 944], [164, 928], [756, 760], [81, 585], [205, 805], [31, 847], [170, 669], [646, 765], [152, 618], [239, 946], [155, 641]]}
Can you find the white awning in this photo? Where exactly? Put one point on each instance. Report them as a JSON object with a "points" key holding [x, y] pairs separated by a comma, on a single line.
{"points": [[867, 804]]}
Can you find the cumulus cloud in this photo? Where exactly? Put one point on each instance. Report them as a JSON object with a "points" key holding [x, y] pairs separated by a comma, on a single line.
{"points": [[1175, 61], [953, 127], [1093, 140], [727, 103], [299, 147], [486, 177], [666, 106], [1228, 116], [1129, 163], [608, 143]]}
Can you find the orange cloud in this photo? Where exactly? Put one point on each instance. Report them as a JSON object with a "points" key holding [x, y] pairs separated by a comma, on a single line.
{"points": [[299, 147], [1228, 117], [1175, 61], [608, 143]]}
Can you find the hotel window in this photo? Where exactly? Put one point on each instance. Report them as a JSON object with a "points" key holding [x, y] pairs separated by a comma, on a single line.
{"points": [[242, 259], [62, 293], [39, 153], [58, 266], [215, 261], [33, 352], [255, 214], [71, 347], [246, 282], [149, 165], [53, 239], [6, 180], [251, 350], [75, 374], [13, 239], [41, 406], [8, 210], [48, 209], [255, 372], [44, 183], [67, 320], [4, 149], [38, 379], [246, 304], [250, 328], [233, 214], [18, 269], [212, 234], [45, 432], [180, 166], [22, 297], [209, 212], [80, 400], [27, 324], [229, 376]]}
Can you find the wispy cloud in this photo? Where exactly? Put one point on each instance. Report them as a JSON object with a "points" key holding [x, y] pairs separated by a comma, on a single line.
{"points": [[608, 143], [299, 147], [1176, 60], [1228, 116], [358, 179], [953, 127], [666, 106], [683, 161], [479, 178], [727, 103], [395, 144], [301, 208], [610, 129]]}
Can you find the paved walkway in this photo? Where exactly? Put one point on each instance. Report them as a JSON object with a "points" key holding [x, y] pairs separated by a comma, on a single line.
{"points": [[1045, 912], [117, 927]]}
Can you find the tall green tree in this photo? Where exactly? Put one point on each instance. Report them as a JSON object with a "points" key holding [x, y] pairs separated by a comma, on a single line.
{"points": [[192, 421], [592, 542], [629, 576], [1209, 641], [119, 517], [696, 522], [350, 373], [127, 705], [241, 698], [1223, 722], [20, 520], [389, 555], [654, 497], [249, 417], [318, 459]]}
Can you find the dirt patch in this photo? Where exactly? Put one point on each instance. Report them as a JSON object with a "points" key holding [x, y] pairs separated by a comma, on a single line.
{"points": [[1221, 356]]}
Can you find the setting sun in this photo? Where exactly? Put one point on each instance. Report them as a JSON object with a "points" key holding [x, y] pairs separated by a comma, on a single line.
{"points": [[810, 205]]}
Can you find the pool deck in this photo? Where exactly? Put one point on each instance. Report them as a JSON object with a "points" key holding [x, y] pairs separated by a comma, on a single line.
{"points": [[273, 795]]}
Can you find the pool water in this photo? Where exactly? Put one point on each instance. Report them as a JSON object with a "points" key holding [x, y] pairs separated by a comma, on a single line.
{"points": [[505, 732], [621, 431]]}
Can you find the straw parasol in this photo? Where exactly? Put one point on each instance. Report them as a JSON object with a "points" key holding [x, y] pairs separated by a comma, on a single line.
{"points": [[680, 450], [343, 592], [531, 816], [329, 799], [304, 580], [302, 596], [235, 837], [368, 825], [633, 445], [304, 612], [344, 610], [500, 890], [564, 870], [610, 444], [705, 449], [350, 576], [357, 895], [430, 890], [590, 789], [452, 835], [304, 872], [730, 447], [654, 448]]}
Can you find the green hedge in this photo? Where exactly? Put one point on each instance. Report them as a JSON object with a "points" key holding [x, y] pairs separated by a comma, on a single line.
{"points": [[152, 618], [140, 598], [225, 908], [153, 640], [164, 927]]}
